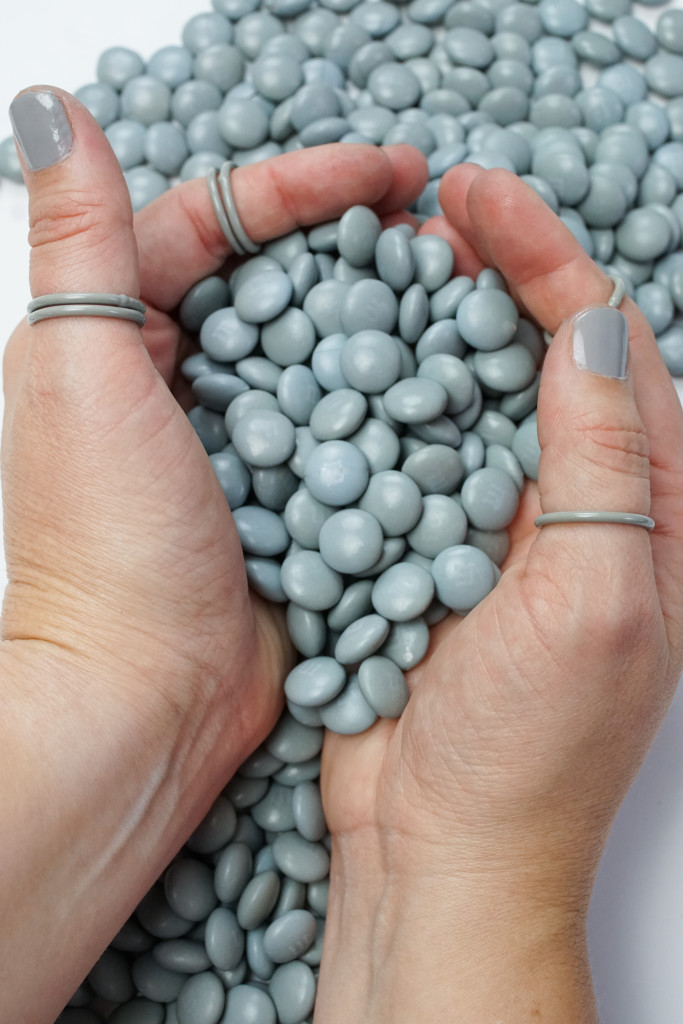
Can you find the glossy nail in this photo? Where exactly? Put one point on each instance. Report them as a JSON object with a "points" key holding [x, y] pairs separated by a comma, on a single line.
{"points": [[601, 341], [41, 128]]}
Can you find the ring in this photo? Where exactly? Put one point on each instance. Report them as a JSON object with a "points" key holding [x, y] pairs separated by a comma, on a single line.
{"points": [[621, 518], [225, 209], [106, 304], [614, 300]]}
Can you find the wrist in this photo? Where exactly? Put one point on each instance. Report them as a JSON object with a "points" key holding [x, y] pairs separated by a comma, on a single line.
{"points": [[406, 944]]}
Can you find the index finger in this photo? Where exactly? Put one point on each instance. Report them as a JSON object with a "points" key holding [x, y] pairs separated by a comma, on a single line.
{"points": [[180, 240]]}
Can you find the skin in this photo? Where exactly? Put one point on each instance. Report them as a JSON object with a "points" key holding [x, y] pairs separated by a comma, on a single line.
{"points": [[138, 671]]}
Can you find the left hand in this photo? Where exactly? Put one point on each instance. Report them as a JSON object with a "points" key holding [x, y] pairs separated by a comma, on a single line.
{"points": [[138, 670]]}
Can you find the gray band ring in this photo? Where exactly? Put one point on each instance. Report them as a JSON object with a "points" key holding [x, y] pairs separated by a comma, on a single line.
{"points": [[86, 309], [231, 209], [620, 518], [226, 212], [85, 298]]}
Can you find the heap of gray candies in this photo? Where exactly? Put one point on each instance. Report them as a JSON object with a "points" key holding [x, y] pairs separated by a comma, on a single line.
{"points": [[370, 417]]}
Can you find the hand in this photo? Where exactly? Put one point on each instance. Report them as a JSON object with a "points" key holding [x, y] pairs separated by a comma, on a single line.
{"points": [[466, 835], [138, 670]]}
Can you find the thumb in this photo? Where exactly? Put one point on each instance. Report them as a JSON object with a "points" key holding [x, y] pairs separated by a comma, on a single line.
{"points": [[86, 412], [595, 452], [81, 221]]}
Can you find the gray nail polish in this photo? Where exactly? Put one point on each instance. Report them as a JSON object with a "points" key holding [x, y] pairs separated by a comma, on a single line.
{"points": [[41, 128], [601, 341]]}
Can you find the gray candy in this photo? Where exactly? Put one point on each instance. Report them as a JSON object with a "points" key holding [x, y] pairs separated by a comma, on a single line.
{"points": [[306, 629], [442, 524], [445, 301], [349, 713], [289, 936], [361, 639], [264, 576], [188, 885], [224, 336], [261, 531], [463, 576], [232, 872], [158, 918], [258, 899], [355, 602], [300, 859], [369, 305], [201, 1000], [336, 473], [323, 304], [263, 437], [224, 939], [289, 338], [383, 685], [244, 792], [490, 499], [370, 360], [293, 742], [634, 37], [260, 964], [310, 582], [413, 313], [154, 981], [127, 138], [407, 643], [378, 443], [215, 829], [137, 1011], [508, 369], [315, 681], [338, 414], [274, 812], [248, 1004], [435, 468], [394, 501], [182, 955], [309, 817], [304, 445], [644, 234], [274, 486], [487, 319], [526, 447], [402, 592], [454, 375], [110, 977], [304, 516], [495, 543], [292, 989], [394, 259], [351, 541], [415, 400], [394, 86], [293, 774], [263, 297], [500, 457]]}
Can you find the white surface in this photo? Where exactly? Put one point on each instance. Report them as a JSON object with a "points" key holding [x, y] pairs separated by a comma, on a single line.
{"points": [[636, 922]]}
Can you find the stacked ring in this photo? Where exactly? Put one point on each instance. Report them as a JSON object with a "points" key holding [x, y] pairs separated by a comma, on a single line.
{"points": [[61, 304], [223, 201]]}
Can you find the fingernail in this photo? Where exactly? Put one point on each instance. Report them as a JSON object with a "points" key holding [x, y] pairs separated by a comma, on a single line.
{"points": [[41, 128], [601, 341]]}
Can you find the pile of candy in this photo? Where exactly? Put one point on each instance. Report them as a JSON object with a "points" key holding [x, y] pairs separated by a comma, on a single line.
{"points": [[370, 417]]}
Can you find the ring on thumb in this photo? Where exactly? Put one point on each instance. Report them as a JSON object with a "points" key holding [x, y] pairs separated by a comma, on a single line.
{"points": [[594, 448]]}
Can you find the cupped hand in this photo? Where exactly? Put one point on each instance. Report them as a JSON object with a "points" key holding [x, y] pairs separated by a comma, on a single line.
{"points": [[489, 801], [139, 671]]}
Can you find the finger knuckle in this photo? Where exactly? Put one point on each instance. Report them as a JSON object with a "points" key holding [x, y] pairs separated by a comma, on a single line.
{"points": [[622, 448]]}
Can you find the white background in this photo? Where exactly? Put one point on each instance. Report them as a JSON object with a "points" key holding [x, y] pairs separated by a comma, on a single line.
{"points": [[636, 921]]}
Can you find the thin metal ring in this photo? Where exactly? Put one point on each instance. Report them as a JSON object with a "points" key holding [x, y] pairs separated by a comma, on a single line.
{"points": [[219, 210], [87, 309], [231, 210], [620, 518], [85, 298]]}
